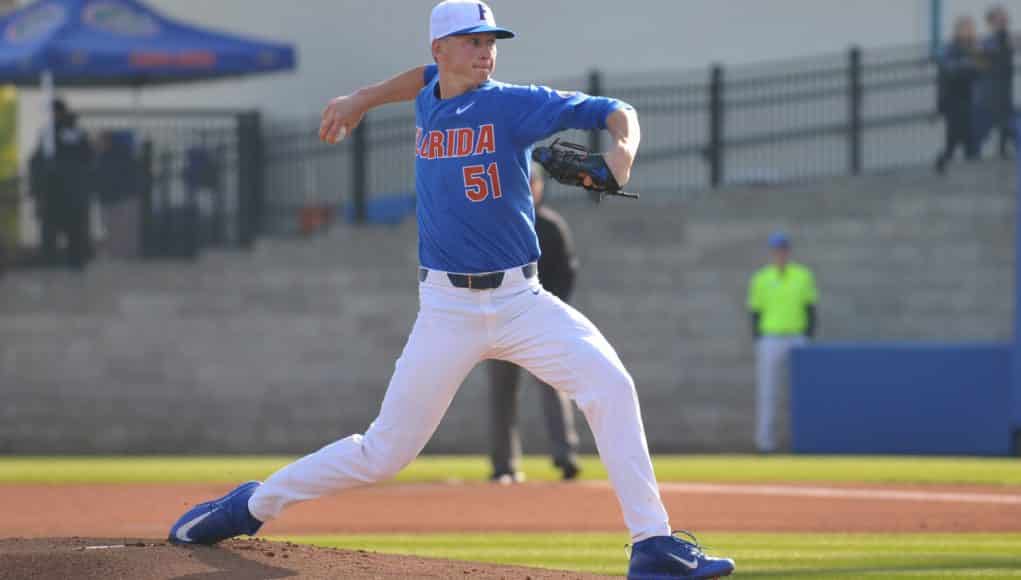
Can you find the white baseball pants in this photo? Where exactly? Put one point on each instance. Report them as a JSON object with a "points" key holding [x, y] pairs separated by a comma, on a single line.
{"points": [[772, 353], [457, 328]]}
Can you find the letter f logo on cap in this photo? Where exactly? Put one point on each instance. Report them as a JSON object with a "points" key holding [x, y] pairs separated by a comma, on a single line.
{"points": [[458, 17]]}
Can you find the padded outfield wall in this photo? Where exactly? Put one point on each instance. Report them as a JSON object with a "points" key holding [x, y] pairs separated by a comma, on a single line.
{"points": [[911, 398]]}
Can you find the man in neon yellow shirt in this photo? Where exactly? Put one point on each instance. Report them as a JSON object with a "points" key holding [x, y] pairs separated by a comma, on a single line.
{"points": [[781, 300]]}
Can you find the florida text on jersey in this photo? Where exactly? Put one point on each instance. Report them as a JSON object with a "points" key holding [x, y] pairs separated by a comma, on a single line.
{"points": [[472, 168]]}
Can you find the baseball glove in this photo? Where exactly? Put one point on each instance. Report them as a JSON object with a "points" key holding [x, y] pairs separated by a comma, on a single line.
{"points": [[570, 163]]}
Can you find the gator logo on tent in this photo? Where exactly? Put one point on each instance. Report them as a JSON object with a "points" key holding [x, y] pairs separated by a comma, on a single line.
{"points": [[119, 18], [35, 23]]}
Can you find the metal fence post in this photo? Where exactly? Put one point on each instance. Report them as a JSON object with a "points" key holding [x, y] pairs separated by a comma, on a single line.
{"points": [[854, 113], [595, 88], [360, 169], [250, 178], [716, 112]]}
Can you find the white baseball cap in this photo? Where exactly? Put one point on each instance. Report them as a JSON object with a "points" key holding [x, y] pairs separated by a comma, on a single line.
{"points": [[456, 17]]}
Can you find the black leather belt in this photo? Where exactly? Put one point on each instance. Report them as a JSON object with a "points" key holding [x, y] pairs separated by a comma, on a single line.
{"points": [[479, 281]]}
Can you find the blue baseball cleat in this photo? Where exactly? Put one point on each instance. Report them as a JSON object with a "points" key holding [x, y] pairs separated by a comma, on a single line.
{"points": [[217, 520], [670, 558]]}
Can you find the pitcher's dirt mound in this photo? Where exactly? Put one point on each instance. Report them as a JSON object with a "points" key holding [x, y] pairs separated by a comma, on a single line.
{"points": [[112, 559]]}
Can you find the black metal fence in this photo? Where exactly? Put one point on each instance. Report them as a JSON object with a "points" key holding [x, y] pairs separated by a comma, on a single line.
{"points": [[220, 178], [305, 178], [199, 175], [837, 114]]}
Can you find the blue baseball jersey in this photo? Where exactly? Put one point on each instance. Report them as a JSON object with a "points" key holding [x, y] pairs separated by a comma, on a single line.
{"points": [[472, 169]]}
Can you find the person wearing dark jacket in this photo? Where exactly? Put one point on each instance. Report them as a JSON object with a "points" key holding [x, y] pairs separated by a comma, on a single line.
{"points": [[959, 68], [118, 183], [61, 186], [557, 267], [998, 80]]}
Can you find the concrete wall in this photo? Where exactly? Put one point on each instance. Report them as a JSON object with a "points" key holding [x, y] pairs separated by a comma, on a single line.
{"points": [[290, 346]]}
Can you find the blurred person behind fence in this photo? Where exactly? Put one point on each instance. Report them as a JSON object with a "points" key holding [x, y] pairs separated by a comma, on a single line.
{"points": [[557, 268], [960, 64], [61, 185], [995, 107], [782, 303], [118, 183]]}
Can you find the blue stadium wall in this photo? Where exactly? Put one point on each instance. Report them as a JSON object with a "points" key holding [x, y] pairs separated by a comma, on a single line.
{"points": [[910, 398], [926, 399]]}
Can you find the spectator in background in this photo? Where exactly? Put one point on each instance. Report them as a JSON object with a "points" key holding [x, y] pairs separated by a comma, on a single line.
{"points": [[996, 98], [782, 303], [959, 67], [117, 183], [61, 185], [9, 200], [557, 266], [202, 178]]}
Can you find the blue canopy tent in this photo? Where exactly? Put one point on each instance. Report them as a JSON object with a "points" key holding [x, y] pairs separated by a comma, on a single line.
{"points": [[103, 43], [120, 43]]}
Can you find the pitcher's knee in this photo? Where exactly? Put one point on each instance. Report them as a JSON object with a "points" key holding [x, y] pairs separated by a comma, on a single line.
{"points": [[383, 462], [613, 387], [384, 470]]}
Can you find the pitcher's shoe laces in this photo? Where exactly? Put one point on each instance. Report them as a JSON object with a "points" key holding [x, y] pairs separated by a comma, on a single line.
{"points": [[696, 548]]}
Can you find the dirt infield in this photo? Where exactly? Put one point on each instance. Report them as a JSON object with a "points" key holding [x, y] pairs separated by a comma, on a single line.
{"points": [[37, 514], [137, 559]]}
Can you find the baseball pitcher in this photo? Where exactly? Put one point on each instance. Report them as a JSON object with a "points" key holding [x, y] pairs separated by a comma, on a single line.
{"points": [[479, 295]]}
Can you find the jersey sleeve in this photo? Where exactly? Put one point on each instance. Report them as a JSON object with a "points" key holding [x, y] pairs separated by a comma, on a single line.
{"points": [[431, 70], [542, 111]]}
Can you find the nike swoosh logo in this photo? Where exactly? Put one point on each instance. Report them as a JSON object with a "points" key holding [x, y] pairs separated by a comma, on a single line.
{"points": [[691, 564], [465, 108], [182, 532]]}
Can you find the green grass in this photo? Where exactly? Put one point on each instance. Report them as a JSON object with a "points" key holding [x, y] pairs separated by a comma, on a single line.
{"points": [[758, 555], [802, 556], [733, 468]]}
